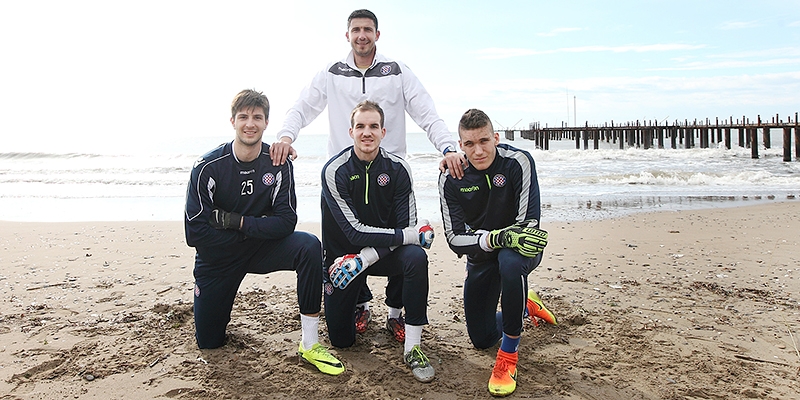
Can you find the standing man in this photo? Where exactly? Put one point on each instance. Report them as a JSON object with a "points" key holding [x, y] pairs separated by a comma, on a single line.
{"points": [[368, 228], [240, 218], [492, 215], [365, 74]]}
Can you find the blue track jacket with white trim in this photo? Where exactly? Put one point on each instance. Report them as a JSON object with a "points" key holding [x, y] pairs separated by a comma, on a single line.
{"points": [[505, 193], [262, 193], [365, 203]]}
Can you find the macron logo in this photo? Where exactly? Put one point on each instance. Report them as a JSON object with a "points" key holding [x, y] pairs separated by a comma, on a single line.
{"points": [[470, 189]]}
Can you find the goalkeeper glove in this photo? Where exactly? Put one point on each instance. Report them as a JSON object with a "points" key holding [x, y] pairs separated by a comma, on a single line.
{"points": [[221, 219], [420, 235], [345, 268], [522, 237]]}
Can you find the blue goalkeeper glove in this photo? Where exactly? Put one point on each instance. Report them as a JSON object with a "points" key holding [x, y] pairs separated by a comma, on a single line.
{"points": [[345, 268], [522, 237]]}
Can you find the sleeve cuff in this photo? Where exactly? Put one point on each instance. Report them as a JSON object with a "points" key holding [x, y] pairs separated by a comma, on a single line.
{"points": [[483, 242]]}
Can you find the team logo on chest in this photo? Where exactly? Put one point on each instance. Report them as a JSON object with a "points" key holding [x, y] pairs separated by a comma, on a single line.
{"points": [[383, 179], [499, 180], [268, 179], [386, 69]]}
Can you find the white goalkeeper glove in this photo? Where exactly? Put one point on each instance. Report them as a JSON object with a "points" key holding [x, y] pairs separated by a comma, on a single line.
{"points": [[420, 235]]}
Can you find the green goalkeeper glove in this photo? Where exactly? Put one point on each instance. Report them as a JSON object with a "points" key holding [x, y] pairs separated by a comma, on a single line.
{"points": [[522, 237]]}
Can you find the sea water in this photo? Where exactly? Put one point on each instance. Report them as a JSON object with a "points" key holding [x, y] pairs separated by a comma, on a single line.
{"points": [[148, 182]]}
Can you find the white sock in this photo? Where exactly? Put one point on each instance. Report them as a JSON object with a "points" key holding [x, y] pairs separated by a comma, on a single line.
{"points": [[394, 312], [310, 329], [413, 336], [365, 306]]}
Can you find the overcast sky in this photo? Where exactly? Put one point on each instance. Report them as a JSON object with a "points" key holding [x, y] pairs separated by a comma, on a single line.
{"points": [[122, 71]]}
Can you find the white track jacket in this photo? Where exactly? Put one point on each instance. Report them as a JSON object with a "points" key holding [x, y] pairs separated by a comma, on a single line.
{"points": [[390, 83]]}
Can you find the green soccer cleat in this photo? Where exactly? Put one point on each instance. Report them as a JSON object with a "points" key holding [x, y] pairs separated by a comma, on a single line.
{"points": [[319, 357]]}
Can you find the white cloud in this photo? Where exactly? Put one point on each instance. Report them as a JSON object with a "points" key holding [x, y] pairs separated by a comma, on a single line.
{"points": [[794, 24], [632, 48], [758, 63], [602, 99], [762, 53], [729, 25], [502, 53], [558, 31]]}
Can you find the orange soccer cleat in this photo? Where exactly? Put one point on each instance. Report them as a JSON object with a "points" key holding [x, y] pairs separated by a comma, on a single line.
{"points": [[536, 309], [503, 381]]}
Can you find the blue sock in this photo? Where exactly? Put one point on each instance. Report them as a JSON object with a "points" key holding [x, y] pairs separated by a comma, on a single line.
{"points": [[509, 345]]}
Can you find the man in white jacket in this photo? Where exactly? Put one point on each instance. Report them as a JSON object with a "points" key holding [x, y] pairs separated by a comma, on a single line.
{"points": [[366, 74]]}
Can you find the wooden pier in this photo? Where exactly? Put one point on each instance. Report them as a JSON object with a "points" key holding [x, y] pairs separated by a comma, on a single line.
{"points": [[649, 134]]}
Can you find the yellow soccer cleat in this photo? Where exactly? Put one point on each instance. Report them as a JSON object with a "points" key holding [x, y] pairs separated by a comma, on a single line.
{"points": [[319, 357]]}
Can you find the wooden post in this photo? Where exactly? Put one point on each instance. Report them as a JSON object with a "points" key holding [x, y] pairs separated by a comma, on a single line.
{"points": [[672, 134], [613, 133], [704, 137], [728, 138], [754, 142], [586, 136], [637, 136], [546, 141], [766, 133], [787, 143], [796, 139], [741, 137], [577, 138]]}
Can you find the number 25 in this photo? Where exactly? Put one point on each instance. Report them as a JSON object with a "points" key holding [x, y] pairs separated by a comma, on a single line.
{"points": [[247, 187]]}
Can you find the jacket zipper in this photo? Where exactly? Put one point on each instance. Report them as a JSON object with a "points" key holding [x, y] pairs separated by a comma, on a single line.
{"points": [[366, 188]]}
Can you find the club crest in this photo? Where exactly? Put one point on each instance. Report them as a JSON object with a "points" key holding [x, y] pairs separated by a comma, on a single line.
{"points": [[499, 180], [386, 69], [268, 179], [328, 288], [383, 179]]}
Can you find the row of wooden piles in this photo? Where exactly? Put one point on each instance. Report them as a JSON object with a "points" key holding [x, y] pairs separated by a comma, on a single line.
{"points": [[650, 134]]}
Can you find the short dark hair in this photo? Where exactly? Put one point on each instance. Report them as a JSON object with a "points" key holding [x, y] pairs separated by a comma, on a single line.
{"points": [[247, 99], [363, 13], [366, 105], [474, 119]]}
